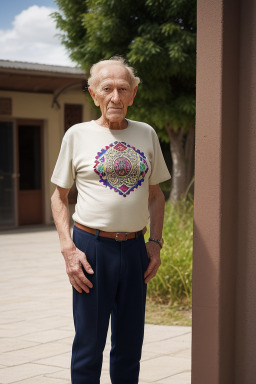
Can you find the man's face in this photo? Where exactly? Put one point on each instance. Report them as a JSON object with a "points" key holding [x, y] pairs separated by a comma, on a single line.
{"points": [[113, 93]]}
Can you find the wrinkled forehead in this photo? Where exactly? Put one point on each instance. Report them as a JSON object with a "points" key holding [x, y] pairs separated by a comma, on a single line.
{"points": [[113, 72]]}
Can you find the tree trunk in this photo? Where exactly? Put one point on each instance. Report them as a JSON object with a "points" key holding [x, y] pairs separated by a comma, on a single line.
{"points": [[182, 160], [178, 164]]}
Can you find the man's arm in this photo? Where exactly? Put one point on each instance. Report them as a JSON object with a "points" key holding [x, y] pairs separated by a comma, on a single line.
{"points": [[156, 210], [74, 258]]}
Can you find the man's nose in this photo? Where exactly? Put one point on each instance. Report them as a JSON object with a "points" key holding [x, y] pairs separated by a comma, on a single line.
{"points": [[115, 96]]}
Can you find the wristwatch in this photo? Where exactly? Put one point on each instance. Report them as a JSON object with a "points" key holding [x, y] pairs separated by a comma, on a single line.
{"points": [[159, 242]]}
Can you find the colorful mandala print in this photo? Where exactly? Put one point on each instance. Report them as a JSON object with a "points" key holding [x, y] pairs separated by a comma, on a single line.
{"points": [[121, 167]]}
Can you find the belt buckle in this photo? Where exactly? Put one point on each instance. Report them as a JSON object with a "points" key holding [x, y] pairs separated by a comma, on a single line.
{"points": [[121, 233]]}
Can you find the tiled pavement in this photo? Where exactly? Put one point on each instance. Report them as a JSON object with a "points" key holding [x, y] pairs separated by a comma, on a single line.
{"points": [[36, 327]]}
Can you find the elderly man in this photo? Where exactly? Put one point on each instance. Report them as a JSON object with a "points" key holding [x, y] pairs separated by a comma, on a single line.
{"points": [[117, 165]]}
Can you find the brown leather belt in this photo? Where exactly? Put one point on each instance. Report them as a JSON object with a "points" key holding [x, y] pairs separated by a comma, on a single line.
{"points": [[118, 236]]}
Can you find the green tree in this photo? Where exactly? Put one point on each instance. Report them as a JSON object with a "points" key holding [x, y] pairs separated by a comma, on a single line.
{"points": [[158, 38]]}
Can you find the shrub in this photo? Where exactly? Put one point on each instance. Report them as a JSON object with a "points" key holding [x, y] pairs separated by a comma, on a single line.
{"points": [[173, 282]]}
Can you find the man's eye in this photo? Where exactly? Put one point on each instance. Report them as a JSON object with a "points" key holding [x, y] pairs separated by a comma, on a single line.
{"points": [[106, 89], [123, 89]]}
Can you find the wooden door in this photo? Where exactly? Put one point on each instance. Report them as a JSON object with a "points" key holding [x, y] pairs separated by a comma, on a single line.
{"points": [[8, 177], [30, 165]]}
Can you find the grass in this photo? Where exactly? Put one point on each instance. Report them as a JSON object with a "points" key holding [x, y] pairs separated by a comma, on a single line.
{"points": [[163, 314], [172, 286]]}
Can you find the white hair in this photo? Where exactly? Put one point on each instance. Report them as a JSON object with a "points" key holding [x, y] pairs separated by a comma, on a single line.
{"points": [[94, 71]]}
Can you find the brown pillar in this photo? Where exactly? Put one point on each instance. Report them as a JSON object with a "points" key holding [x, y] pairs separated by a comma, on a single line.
{"points": [[224, 269], [215, 218]]}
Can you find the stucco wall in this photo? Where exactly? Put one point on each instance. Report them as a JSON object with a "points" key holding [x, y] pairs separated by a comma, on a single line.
{"points": [[207, 213], [39, 106], [224, 267]]}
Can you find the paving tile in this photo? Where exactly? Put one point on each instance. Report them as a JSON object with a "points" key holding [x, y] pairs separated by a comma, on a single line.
{"points": [[182, 378], [67, 325], [67, 341], [161, 367], [164, 347], [141, 381], [105, 378], [185, 338], [11, 344], [105, 363], [186, 353], [162, 332], [17, 315], [62, 361], [63, 374], [41, 324], [42, 380], [6, 318], [24, 328], [47, 336], [147, 355], [32, 354], [22, 372]]}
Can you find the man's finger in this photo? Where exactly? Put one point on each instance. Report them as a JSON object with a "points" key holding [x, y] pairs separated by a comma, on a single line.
{"points": [[86, 265], [150, 268], [84, 280], [77, 287], [82, 286], [151, 275]]}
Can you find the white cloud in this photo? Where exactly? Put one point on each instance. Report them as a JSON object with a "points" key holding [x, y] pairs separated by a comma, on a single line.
{"points": [[33, 39]]}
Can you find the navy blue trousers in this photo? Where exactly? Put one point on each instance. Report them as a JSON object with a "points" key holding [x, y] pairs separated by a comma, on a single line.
{"points": [[118, 291]]}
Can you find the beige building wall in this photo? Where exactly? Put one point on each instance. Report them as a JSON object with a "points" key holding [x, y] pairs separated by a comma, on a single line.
{"points": [[39, 106]]}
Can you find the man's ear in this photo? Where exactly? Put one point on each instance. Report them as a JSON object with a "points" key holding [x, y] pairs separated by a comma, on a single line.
{"points": [[133, 96], [94, 96]]}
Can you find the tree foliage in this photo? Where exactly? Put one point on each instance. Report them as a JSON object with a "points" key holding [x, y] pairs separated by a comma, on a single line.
{"points": [[157, 37]]}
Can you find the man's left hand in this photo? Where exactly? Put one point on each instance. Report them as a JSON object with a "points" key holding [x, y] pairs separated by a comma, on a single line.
{"points": [[153, 250]]}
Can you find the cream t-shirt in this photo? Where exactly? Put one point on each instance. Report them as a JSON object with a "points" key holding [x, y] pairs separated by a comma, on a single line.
{"points": [[112, 170]]}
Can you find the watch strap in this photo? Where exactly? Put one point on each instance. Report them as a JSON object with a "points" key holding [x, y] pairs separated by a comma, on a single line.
{"points": [[158, 241]]}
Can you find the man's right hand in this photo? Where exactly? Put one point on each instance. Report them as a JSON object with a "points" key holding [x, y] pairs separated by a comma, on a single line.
{"points": [[75, 259]]}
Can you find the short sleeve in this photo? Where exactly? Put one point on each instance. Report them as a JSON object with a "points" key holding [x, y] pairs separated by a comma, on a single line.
{"points": [[64, 171], [159, 170]]}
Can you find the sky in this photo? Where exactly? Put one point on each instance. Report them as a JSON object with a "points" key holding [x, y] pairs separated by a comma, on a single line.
{"points": [[28, 33]]}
